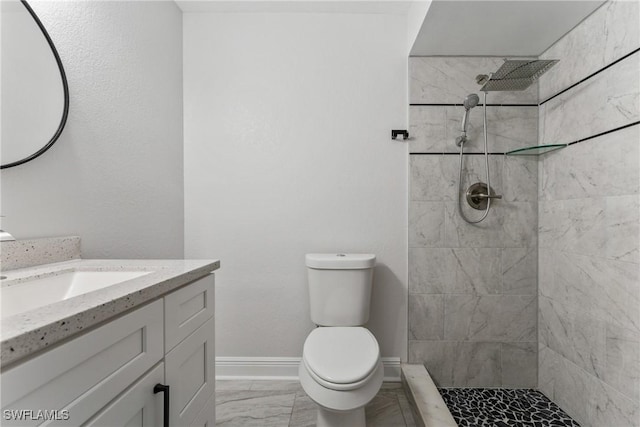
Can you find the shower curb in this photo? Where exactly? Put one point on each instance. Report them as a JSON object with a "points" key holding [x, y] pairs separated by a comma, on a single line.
{"points": [[427, 404]]}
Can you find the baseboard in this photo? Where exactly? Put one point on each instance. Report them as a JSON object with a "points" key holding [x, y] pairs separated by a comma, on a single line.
{"points": [[281, 368]]}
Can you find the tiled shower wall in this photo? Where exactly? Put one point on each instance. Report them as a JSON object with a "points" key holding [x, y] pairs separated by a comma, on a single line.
{"points": [[589, 287], [472, 288]]}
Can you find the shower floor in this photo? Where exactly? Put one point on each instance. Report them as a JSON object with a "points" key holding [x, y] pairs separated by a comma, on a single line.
{"points": [[476, 407]]}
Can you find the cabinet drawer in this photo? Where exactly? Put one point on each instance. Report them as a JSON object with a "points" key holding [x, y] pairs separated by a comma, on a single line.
{"points": [[190, 371], [187, 309], [137, 407], [84, 374]]}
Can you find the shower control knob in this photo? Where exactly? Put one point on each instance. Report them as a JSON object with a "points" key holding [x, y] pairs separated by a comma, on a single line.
{"points": [[478, 195]]}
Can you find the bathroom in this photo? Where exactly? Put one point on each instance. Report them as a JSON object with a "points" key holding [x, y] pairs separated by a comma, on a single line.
{"points": [[255, 133]]}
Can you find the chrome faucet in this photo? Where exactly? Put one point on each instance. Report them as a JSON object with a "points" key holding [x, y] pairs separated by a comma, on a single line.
{"points": [[5, 236]]}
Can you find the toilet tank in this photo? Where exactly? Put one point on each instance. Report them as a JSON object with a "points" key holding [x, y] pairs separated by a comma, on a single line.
{"points": [[340, 288]]}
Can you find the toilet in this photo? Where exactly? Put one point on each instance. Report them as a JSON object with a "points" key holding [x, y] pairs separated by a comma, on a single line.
{"points": [[341, 369]]}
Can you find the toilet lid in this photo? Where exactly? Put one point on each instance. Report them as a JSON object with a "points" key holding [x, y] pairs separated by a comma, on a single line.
{"points": [[341, 355]]}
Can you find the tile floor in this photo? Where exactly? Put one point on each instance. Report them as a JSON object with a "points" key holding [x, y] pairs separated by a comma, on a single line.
{"points": [[284, 403]]}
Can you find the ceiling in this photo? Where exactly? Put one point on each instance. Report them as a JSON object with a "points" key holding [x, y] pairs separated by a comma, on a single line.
{"points": [[296, 6], [497, 28]]}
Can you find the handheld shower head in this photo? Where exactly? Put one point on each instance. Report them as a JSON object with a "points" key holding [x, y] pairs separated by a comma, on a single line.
{"points": [[469, 102]]}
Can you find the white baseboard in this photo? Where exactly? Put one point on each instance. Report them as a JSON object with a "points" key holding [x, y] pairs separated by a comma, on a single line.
{"points": [[281, 368]]}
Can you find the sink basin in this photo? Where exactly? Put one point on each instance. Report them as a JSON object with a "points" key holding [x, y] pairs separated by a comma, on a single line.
{"points": [[39, 292]]}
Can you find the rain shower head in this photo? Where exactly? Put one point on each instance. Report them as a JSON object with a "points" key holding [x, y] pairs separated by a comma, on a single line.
{"points": [[515, 74]]}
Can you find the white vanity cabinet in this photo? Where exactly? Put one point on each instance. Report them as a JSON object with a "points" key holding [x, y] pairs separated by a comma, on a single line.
{"points": [[106, 377]]}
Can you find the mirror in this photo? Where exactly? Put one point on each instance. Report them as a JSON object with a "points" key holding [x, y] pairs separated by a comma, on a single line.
{"points": [[34, 91]]}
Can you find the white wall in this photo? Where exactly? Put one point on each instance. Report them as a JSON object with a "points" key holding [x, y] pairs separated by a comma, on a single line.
{"points": [[288, 151], [115, 176]]}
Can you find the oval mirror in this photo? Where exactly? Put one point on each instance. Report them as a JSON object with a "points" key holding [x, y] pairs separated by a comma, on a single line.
{"points": [[35, 95]]}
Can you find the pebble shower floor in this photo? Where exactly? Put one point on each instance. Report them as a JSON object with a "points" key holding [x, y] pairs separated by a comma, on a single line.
{"points": [[485, 407]]}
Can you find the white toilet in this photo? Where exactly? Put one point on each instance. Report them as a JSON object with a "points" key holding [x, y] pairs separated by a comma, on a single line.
{"points": [[341, 368]]}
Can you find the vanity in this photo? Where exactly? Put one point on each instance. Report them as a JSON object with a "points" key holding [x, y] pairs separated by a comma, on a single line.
{"points": [[109, 343]]}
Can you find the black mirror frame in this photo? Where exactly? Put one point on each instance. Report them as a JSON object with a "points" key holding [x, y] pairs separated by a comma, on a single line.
{"points": [[65, 88]]}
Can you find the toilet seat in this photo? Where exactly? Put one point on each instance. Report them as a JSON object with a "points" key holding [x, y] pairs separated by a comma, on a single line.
{"points": [[341, 358]]}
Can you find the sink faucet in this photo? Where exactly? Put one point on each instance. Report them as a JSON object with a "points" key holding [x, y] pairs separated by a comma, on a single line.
{"points": [[6, 236]]}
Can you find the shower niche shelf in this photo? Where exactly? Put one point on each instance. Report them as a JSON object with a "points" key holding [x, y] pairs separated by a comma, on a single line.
{"points": [[536, 150]]}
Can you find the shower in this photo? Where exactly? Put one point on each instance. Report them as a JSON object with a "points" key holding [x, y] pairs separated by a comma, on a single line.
{"points": [[513, 75]]}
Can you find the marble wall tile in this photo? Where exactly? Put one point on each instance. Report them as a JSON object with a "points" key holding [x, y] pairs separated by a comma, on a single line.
{"points": [[612, 97], [584, 397], [577, 337], [548, 366], [611, 408], [508, 128], [622, 364], [474, 170], [606, 35], [427, 128], [459, 364], [622, 228], [457, 270], [571, 388], [519, 224], [458, 233], [507, 318], [575, 226], [519, 271], [426, 224], [426, 317], [605, 289], [603, 227], [520, 179], [450, 79], [519, 365], [430, 270], [476, 271], [435, 128], [433, 178], [607, 165], [451, 259]]}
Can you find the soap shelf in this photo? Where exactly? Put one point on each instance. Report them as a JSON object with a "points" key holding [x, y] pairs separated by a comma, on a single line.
{"points": [[535, 150]]}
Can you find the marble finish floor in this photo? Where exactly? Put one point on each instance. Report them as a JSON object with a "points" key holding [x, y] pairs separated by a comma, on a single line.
{"points": [[285, 404], [497, 407]]}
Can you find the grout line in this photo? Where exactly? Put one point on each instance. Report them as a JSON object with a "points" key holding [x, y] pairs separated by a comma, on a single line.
{"points": [[502, 154], [590, 76], [461, 105]]}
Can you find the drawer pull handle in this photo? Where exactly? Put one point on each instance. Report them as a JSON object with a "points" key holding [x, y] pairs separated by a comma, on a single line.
{"points": [[161, 388]]}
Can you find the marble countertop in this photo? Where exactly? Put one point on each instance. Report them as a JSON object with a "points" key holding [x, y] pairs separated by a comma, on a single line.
{"points": [[26, 333]]}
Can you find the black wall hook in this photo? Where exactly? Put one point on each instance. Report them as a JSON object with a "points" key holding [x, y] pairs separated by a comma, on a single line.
{"points": [[396, 132]]}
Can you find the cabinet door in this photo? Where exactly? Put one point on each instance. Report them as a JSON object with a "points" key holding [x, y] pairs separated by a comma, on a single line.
{"points": [[186, 310], [190, 372], [137, 407], [207, 416], [84, 374]]}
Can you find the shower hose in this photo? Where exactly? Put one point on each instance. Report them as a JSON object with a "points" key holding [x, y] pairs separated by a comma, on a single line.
{"points": [[486, 161]]}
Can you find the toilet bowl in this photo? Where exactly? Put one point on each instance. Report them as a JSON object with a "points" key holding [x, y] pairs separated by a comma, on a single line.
{"points": [[341, 371]]}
